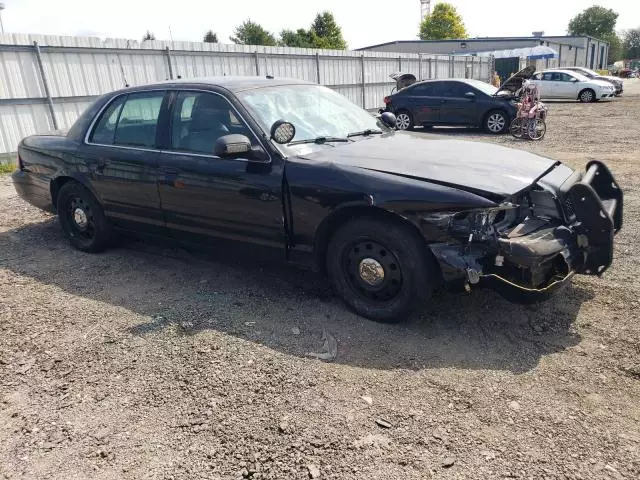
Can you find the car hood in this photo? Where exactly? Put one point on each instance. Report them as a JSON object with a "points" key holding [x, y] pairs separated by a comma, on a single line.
{"points": [[476, 167], [600, 83]]}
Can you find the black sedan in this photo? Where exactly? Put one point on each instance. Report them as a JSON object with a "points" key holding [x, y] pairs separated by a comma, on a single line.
{"points": [[389, 216], [460, 103]]}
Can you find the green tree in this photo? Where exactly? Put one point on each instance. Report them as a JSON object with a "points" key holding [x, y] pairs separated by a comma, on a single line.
{"points": [[251, 33], [300, 38], [326, 33], [148, 36], [210, 37], [595, 22], [632, 44], [615, 47], [442, 24]]}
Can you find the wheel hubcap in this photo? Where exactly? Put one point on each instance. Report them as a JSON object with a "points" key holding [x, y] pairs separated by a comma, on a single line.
{"points": [[371, 271], [496, 122], [587, 96], [80, 218], [403, 121]]}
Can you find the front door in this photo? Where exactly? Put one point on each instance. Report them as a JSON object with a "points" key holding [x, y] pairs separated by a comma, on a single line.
{"points": [[567, 86], [121, 155], [455, 107], [205, 196]]}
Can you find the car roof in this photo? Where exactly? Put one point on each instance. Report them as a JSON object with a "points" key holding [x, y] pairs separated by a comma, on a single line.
{"points": [[561, 70], [232, 83]]}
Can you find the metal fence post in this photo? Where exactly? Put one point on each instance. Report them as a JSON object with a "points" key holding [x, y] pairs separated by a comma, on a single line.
{"points": [[451, 70], [257, 59], [364, 83], [430, 68], [400, 64], [435, 73], [45, 84], [318, 67], [419, 66], [168, 55]]}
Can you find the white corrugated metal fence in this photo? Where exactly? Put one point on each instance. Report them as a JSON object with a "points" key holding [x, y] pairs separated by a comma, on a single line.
{"points": [[47, 81]]}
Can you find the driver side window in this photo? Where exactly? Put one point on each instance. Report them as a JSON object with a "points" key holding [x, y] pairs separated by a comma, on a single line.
{"points": [[199, 119]]}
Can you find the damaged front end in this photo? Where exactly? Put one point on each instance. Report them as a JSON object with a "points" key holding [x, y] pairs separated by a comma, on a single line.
{"points": [[531, 244]]}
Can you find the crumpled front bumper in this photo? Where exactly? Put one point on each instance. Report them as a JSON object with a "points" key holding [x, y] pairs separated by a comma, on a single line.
{"points": [[542, 256]]}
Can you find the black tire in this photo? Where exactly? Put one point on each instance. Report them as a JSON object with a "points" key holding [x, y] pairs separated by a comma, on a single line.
{"points": [[82, 218], [409, 270], [587, 96], [496, 122], [404, 120]]}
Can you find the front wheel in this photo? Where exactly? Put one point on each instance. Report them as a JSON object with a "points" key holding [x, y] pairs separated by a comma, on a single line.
{"points": [[516, 127], [381, 269], [82, 218], [587, 96], [496, 122], [536, 129]]}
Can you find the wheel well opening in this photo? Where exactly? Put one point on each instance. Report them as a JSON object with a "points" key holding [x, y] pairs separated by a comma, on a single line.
{"points": [[55, 187], [344, 215]]}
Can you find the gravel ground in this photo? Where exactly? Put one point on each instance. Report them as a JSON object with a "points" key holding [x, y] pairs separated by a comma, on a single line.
{"points": [[154, 363]]}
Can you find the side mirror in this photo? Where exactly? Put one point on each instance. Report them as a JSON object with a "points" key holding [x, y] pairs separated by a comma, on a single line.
{"points": [[389, 119], [574, 80], [231, 145], [470, 95], [283, 132]]}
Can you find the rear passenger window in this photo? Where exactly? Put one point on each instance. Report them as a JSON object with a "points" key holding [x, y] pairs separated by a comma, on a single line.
{"points": [[105, 131], [131, 120], [139, 120]]}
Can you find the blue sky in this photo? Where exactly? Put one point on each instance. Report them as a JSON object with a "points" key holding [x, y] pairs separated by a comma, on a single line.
{"points": [[364, 22]]}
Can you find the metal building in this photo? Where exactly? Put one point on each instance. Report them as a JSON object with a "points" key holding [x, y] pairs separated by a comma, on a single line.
{"points": [[571, 50]]}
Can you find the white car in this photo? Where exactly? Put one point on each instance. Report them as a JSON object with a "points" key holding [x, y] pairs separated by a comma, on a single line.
{"points": [[554, 84], [593, 75]]}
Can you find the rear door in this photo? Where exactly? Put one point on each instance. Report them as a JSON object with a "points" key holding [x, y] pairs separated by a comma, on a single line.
{"points": [[455, 108], [423, 103], [546, 84], [121, 155]]}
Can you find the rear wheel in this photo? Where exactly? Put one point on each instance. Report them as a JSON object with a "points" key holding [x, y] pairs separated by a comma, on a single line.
{"points": [[536, 129], [381, 269], [587, 96], [82, 218], [404, 120], [496, 122]]}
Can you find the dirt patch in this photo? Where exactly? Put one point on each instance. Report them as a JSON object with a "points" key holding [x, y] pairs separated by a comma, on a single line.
{"points": [[145, 362]]}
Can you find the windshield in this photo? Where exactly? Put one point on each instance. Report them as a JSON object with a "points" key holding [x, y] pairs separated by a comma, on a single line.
{"points": [[314, 110], [579, 76], [587, 72], [483, 87]]}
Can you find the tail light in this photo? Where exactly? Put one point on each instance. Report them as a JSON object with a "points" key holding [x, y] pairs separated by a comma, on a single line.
{"points": [[387, 100]]}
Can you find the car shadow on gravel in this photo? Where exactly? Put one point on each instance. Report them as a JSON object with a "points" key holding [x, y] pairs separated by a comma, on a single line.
{"points": [[184, 294]]}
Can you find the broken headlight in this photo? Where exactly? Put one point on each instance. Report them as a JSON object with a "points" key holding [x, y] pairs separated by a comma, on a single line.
{"points": [[476, 224]]}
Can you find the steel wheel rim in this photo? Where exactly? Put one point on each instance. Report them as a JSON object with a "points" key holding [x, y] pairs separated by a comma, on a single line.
{"points": [[587, 96], [403, 121], [496, 122], [81, 218], [376, 285], [537, 129]]}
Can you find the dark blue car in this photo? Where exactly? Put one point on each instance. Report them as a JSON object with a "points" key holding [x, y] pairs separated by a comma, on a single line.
{"points": [[461, 102]]}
